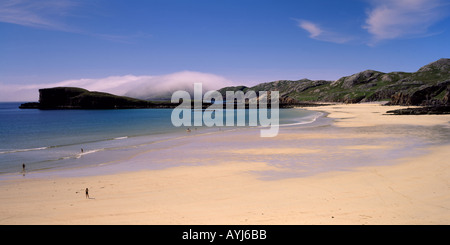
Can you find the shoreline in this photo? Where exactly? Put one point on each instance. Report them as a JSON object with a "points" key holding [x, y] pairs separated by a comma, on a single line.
{"points": [[249, 180], [106, 154]]}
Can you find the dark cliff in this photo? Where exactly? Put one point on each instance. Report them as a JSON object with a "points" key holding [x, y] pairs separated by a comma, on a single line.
{"points": [[78, 98]]}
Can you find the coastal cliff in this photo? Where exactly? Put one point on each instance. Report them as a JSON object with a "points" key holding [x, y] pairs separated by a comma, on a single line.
{"points": [[78, 98]]}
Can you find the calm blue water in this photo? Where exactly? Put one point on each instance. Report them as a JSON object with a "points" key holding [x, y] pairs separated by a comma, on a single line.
{"points": [[48, 139]]}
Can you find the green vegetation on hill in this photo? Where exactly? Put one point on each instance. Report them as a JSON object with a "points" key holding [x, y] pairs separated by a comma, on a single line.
{"points": [[429, 85]]}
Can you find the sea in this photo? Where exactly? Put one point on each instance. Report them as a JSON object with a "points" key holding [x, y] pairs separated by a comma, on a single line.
{"points": [[46, 140]]}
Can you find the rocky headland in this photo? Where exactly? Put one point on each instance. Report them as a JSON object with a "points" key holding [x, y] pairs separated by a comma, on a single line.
{"points": [[78, 98]]}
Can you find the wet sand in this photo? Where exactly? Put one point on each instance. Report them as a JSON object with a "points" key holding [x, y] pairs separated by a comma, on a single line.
{"points": [[357, 166]]}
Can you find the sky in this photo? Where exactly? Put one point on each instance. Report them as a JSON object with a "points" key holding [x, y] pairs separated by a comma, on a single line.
{"points": [[131, 46]]}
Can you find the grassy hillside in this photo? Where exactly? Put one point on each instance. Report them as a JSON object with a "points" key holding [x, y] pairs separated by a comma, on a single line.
{"points": [[429, 85]]}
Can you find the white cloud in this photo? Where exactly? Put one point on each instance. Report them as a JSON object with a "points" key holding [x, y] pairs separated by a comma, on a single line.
{"points": [[391, 19], [129, 85], [310, 27], [54, 15], [44, 14], [317, 33], [166, 84]]}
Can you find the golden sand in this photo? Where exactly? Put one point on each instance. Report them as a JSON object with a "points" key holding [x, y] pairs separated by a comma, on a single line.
{"points": [[411, 191]]}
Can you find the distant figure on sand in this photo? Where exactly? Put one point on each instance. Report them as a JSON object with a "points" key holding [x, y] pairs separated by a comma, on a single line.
{"points": [[82, 150], [188, 130], [87, 193]]}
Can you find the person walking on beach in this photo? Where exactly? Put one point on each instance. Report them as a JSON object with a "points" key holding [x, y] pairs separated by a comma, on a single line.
{"points": [[23, 167], [87, 193]]}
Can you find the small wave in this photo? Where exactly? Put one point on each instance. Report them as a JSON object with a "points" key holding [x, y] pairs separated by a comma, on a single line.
{"points": [[23, 150], [73, 156], [313, 118], [89, 152], [8, 151]]}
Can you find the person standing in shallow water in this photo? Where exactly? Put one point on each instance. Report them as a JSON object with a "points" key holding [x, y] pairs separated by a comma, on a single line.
{"points": [[87, 193], [23, 169]]}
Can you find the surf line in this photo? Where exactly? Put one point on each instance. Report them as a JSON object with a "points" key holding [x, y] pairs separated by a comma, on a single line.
{"points": [[213, 115]]}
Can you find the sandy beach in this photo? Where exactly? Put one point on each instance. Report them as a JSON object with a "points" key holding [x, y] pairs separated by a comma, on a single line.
{"points": [[359, 166]]}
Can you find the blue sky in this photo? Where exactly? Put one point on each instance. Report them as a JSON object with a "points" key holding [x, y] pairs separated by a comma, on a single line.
{"points": [[115, 45]]}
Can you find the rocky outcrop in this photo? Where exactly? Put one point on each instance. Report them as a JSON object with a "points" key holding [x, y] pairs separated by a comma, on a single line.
{"points": [[364, 77], [288, 100], [423, 95], [442, 65], [426, 110], [29, 105], [446, 98]]}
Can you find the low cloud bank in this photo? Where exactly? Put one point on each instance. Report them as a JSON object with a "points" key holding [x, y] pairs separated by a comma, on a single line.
{"points": [[143, 87]]}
